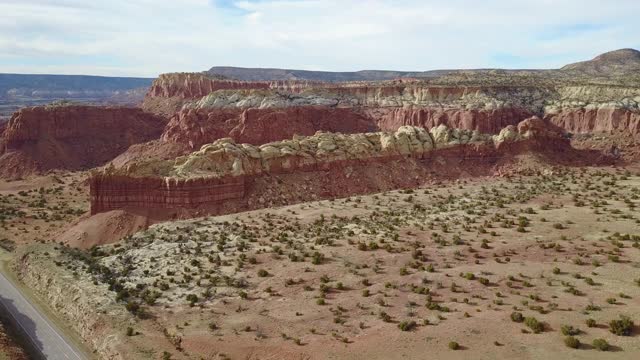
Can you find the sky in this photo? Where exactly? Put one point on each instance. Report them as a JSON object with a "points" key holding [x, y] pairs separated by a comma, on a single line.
{"points": [[149, 37]]}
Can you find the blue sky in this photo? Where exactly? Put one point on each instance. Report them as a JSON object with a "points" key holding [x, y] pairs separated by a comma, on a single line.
{"points": [[148, 37]]}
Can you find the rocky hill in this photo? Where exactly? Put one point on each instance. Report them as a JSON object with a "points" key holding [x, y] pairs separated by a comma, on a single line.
{"points": [[611, 64], [226, 177], [71, 137], [264, 74], [623, 61]]}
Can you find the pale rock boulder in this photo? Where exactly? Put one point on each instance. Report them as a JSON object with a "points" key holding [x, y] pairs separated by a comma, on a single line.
{"points": [[440, 135], [508, 134], [225, 157]]}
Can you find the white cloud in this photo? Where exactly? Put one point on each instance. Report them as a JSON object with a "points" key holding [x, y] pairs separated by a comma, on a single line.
{"points": [[147, 37]]}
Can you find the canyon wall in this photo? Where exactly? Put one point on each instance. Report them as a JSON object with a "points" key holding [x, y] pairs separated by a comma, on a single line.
{"points": [[258, 126], [71, 137], [225, 177], [485, 121], [390, 104], [121, 192], [597, 120]]}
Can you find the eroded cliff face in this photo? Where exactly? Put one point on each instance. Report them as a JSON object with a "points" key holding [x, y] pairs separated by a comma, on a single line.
{"points": [[195, 85], [71, 137], [391, 104], [485, 121], [259, 126], [225, 176], [604, 119]]}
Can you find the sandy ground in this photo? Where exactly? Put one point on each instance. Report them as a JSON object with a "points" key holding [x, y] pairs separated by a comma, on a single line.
{"points": [[338, 279], [33, 209]]}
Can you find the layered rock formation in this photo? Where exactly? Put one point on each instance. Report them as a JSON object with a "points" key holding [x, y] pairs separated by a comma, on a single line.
{"points": [[71, 137], [225, 176], [197, 127], [593, 96]]}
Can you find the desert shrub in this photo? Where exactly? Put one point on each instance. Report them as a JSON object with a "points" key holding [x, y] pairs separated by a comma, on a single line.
{"points": [[192, 299], [407, 325], [263, 273], [454, 345], [572, 342], [130, 331], [132, 307], [533, 324], [517, 317], [384, 316], [622, 326], [600, 344], [590, 323], [569, 330]]}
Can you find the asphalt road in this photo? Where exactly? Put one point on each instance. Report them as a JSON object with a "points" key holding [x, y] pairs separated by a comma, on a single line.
{"points": [[44, 335]]}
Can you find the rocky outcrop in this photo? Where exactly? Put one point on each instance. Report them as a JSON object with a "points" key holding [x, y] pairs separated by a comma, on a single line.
{"points": [[71, 137], [196, 85], [597, 120], [485, 121], [225, 176], [122, 192], [259, 126]]}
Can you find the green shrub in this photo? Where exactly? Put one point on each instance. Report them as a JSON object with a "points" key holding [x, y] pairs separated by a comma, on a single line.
{"points": [[622, 326], [263, 273], [590, 323], [600, 344], [533, 324], [569, 330], [572, 342], [517, 317], [454, 345], [407, 325]]}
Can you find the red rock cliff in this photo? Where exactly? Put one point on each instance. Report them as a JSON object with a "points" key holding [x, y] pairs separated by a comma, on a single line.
{"points": [[603, 119], [259, 126], [485, 121], [304, 181], [72, 137]]}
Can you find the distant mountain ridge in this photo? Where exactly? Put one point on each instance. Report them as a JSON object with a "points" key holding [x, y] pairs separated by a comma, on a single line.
{"points": [[611, 63], [621, 61], [21, 90], [71, 85], [268, 74]]}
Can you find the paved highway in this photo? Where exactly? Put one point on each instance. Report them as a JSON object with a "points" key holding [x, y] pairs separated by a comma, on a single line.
{"points": [[44, 335]]}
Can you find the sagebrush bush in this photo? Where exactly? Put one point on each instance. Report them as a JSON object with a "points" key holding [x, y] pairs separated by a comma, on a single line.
{"points": [[533, 324], [622, 326], [407, 325], [569, 330], [572, 342], [517, 317], [600, 344]]}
